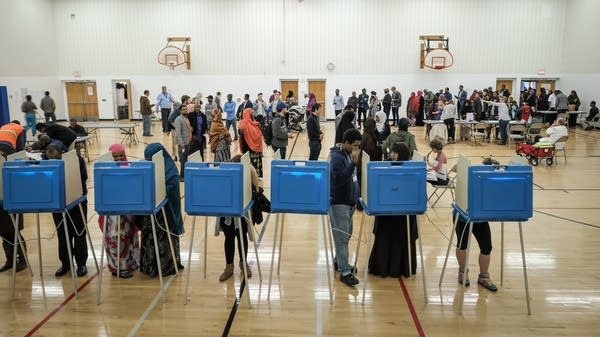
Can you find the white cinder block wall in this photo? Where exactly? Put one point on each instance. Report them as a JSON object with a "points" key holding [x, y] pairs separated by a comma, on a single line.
{"points": [[248, 46]]}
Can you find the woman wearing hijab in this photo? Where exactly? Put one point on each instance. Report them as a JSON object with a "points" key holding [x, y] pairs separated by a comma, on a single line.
{"points": [[389, 255], [251, 139], [174, 219], [220, 139], [122, 242], [420, 101], [383, 128], [345, 123], [312, 100]]}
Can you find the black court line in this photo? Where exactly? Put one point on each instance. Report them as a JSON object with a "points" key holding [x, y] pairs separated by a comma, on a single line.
{"points": [[236, 304], [567, 219]]}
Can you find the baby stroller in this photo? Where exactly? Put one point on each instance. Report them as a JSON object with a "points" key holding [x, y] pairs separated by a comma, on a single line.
{"points": [[535, 152], [296, 116]]}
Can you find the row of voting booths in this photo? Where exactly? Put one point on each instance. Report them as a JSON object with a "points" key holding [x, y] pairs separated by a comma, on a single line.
{"points": [[483, 193]]}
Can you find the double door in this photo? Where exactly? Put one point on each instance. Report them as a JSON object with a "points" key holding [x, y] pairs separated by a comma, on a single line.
{"points": [[82, 100]]}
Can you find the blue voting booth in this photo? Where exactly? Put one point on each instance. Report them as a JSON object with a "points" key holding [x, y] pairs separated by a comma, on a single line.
{"points": [[44, 186], [299, 187], [392, 188], [222, 189], [486, 193], [144, 183]]}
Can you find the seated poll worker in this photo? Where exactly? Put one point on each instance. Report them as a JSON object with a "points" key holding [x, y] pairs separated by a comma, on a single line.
{"points": [[389, 255], [77, 233], [12, 138], [126, 238]]}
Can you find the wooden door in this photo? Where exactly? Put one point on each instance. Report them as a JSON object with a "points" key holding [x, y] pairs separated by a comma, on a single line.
{"points": [[287, 85], [317, 87], [546, 84], [507, 83], [82, 100]]}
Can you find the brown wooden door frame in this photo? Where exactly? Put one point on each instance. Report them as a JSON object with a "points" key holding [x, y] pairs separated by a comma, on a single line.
{"points": [[509, 82], [289, 84], [129, 101]]}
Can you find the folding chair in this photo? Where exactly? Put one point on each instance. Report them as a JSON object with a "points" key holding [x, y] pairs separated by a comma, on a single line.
{"points": [[516, 132], [534, 130], [479, 131], [439, 190], [561, 145]]}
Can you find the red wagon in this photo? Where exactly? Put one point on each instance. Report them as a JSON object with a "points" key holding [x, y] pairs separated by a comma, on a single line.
{"points": [[535, 152]]}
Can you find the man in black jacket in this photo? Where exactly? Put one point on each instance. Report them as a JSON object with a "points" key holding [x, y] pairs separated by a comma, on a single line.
{"points": [[344, 195], [315, 135], [387, 102], [57, 131]]}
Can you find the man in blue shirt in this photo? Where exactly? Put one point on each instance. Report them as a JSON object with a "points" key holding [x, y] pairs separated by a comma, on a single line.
{"points": [[164, 102], [229, 108]]}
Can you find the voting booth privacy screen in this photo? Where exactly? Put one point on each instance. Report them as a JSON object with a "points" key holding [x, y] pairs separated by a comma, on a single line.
{"points": [[124, 188], [502, 193], [214, 188], [300, 186], [45, 178], [396, 188]]}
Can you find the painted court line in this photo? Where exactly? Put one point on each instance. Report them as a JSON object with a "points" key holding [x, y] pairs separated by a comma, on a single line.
{"points": [[150, 307], [57, 309], [411, 307]]}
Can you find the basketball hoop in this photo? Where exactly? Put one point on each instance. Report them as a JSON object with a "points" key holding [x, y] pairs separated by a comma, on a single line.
{"points": [[173, 55], [435, 57]]}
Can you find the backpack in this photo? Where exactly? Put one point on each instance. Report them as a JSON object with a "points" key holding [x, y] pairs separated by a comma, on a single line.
{"points": [[268, 133]]}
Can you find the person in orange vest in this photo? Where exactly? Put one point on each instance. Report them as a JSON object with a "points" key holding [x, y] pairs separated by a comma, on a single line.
{"points": [[12, 138]]}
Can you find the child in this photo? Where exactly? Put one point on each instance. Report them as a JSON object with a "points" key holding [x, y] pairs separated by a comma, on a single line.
{"points": [[437, 173]]}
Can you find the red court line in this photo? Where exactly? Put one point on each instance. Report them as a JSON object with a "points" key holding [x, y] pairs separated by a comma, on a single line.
{"points": [[57, 309], [411, 307]]}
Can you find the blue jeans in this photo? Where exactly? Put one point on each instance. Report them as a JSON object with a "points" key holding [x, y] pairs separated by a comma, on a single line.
{"points": [[341, 224], [503, 128], [146, 120], [30, 122], [231, 122]]}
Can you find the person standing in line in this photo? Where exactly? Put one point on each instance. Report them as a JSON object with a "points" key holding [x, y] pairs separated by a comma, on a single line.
{"points": [[29, 108], [448, 116], [344, 195], [229, 108], [183, 136], [338, 102], [280, 130], [75, 223], [218, 99], [146, 111], [220, 138], [164, 102], [387, 102], [503, 118], [551, 100], [48, 107], [396, 104], [208, 109], [363, 106], [315, 135]]}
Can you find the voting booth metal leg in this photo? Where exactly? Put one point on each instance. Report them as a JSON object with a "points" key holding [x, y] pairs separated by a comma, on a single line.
{"points": [[330, 236], [327, 266], [502, 253], [524, 269], [408, 245], [280, 241], [39, 240], [189, 264], [17, 241], [238, 223], [466, 268], [273, 256], [156, 251], [99, 296], [118, 246], [68, 240], [422, 260], [448, 250], [366, 272], [170, 241], [89, 237], [360, 231], [205, 243]]}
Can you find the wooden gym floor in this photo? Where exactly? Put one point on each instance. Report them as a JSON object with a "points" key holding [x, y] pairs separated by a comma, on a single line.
{"points": [[562, 243]]}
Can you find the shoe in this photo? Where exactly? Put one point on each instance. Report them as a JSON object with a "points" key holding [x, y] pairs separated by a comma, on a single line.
{"points": [[148, 135], [349, 280], [247, 269], [81, 271], [123, 274], [227, 273], [461, 275], [21, 264], [62, 271], [180, 180], [179, 265], [487, 283], [6, 266]]}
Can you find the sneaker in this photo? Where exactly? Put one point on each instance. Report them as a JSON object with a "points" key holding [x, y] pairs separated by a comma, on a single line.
{"points": [[62, 271], [349, 280], [461, 276], [487, 283]]}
